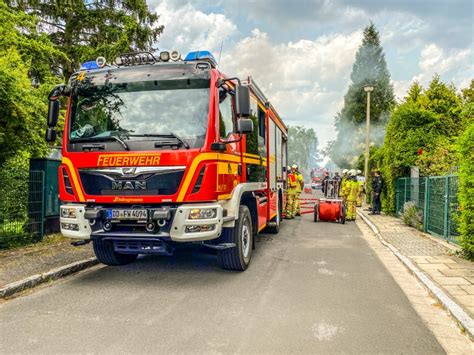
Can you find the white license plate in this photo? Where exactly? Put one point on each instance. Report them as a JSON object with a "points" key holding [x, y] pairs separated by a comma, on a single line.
{"points": [[133, 214]]}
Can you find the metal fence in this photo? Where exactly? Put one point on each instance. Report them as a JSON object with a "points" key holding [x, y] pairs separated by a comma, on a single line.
{"points": [[436, 197], [21, 207]]}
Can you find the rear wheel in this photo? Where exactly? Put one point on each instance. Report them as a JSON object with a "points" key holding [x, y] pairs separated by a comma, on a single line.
{"points": [[104, 251], [238, 257], [316, 212]]}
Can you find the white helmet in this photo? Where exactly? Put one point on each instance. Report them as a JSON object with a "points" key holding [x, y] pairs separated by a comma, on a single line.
{"points": [[345, 171], [359, 172], [352, 172], [295, 166]]}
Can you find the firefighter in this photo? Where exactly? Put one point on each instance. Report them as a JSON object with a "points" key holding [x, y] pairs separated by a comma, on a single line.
{"points": [[343, 181], [350, 192], [290, 194], [299, 188]]}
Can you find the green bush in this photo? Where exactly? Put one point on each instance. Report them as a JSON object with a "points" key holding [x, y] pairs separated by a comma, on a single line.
{"points": [[412, 215], [14, 192], [466, 191]]}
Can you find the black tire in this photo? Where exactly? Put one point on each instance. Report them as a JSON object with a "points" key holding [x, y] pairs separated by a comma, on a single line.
{"points": [[316, 212], [343, 214], [104, 251], [237, 258]]}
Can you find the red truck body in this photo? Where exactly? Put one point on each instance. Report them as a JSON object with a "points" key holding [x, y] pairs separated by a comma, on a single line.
{"points": [[131, 195]]}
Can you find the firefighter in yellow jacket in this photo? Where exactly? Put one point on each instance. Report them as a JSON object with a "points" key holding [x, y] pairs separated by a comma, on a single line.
{"points": [[299, 188], [290, 194], [350, 193], [360, 195]]}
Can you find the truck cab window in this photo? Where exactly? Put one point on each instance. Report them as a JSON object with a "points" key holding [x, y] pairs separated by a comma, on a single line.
{"points": [[226, 113]]}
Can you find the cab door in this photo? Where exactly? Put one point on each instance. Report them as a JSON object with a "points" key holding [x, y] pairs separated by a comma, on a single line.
{"points": [[229, 163]]}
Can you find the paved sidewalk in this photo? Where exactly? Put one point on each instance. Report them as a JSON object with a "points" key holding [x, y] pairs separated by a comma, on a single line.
{"points": [[54, 252], [435, 258]]}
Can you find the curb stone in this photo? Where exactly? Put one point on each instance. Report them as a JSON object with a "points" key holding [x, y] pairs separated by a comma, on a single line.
{"points": [[35, 280], [452, 307]]}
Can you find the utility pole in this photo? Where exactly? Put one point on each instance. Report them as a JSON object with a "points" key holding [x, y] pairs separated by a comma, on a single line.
{"points": [[368, 89]]}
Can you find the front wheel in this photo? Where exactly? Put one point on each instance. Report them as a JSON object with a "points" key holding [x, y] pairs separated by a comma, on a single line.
{"points": [[238, 257], [105, 253]]}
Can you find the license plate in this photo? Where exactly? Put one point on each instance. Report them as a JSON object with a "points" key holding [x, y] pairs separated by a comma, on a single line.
{"points": [[133, 214]]}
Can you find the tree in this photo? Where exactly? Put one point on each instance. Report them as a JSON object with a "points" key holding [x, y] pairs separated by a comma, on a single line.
{"points": [[302, 146], [369, 67], [25, 80], [86, 29], [427, 122]]}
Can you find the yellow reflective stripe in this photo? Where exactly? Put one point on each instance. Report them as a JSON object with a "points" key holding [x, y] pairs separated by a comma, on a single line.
{"points": [[191, 171], [259, 229], [224, 197], [228, 168], [210, 156], [75, 180]]}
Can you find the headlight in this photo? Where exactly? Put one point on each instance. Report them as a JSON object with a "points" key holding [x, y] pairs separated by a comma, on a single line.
{"points": [[200, 228], [203, 213], [67, 212]]}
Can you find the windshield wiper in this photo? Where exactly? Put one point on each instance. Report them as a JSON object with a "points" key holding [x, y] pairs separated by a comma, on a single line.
{"points": [[101, 139], [171, 134]]}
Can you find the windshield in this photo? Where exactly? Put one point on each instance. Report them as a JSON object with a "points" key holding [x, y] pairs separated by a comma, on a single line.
{"points": [[142, 111]]}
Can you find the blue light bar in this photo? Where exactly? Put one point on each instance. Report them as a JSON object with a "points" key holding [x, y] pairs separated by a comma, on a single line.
{"points": [[90, 65], [201, 55]]}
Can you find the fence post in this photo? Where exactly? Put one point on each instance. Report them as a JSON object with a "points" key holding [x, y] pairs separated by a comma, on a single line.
{"points": [[446, 208], [427, 204], [43, 207]]}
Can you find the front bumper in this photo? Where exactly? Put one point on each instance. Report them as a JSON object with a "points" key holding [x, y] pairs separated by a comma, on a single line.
{"points": [[90, 222]]}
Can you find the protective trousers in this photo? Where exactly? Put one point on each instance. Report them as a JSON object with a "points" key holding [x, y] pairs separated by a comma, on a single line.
{"points": [[351, 210], [290, 204], [297, 204]]}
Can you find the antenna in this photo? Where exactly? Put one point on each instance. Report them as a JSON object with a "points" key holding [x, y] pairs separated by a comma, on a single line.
{"points": [[220, 52]]}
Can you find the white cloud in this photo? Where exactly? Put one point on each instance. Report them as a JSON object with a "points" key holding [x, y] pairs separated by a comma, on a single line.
{"points": [[450, 66], [187, 28]]}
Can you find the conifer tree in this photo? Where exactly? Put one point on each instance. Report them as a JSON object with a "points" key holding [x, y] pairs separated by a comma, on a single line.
{"points": [[369, 67]]}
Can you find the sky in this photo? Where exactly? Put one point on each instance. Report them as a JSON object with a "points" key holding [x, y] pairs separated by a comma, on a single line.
{"points": [[300, 52]]}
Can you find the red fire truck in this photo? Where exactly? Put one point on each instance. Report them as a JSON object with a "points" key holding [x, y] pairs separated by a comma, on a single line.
{"points": [[159, 152]]}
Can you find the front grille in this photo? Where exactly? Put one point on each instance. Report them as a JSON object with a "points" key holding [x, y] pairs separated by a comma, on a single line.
{"points": [[99, 182]]}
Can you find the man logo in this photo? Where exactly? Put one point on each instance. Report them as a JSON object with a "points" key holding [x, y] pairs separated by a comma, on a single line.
{"points": [[128, 185], [129, 171]]}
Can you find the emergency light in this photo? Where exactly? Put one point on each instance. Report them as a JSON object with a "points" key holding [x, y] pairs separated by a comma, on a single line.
{"points": [[202, 56], [94, 64], [90, 65]]}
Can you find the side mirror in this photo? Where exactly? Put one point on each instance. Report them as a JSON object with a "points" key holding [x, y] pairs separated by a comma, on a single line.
{"points": [[53, 113], [244, 125], [50, 134], [242, 101]]}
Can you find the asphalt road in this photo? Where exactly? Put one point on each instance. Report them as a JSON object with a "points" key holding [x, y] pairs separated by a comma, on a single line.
{"points": [[313, 288]]}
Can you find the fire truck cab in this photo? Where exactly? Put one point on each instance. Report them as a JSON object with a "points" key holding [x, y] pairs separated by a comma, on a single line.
{"points": [[157, 152]]}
